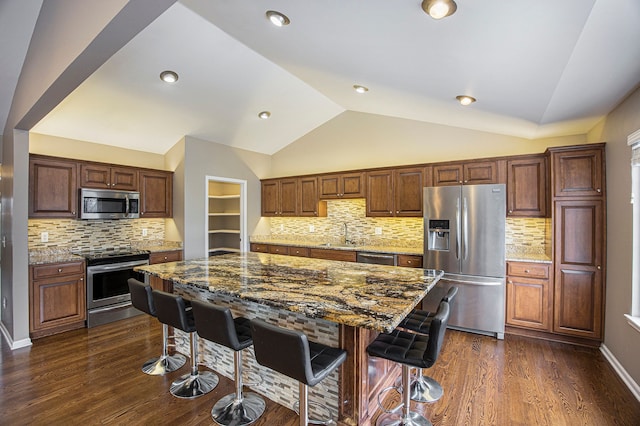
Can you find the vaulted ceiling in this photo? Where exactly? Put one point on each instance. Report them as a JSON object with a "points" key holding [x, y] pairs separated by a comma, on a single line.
{"points": [[537, 68]]}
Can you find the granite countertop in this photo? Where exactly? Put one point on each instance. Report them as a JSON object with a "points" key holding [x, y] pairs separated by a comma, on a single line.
{"points": [[61, 255], [358, 295], [526, 254], [349, 247]]}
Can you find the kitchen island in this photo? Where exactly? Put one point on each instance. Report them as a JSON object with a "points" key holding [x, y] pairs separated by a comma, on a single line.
{"points": [[340, 304]]}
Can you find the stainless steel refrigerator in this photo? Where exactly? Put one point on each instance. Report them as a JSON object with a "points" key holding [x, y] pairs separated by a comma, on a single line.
{"points": [[465, 236]]}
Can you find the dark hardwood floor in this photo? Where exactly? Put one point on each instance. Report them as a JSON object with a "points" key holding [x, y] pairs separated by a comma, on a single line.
{"points": [[93, 377]]}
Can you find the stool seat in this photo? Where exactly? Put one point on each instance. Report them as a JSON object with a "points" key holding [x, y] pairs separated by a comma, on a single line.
{"points": [[176, 312], [142, 299], [216, 324], [289, 352], [419, 320], [412, 351]]}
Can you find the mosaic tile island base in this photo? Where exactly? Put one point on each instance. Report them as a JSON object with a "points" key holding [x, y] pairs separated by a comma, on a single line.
{"points": [[340, 304]]}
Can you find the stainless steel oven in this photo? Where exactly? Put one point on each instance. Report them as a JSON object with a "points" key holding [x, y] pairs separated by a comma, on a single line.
{"points": [[108, 297]]}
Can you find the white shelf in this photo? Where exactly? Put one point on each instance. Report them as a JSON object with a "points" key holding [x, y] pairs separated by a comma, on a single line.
{"points": [[225, 217], [225, 214], [218, 249], [225, 197], [224, 231]]}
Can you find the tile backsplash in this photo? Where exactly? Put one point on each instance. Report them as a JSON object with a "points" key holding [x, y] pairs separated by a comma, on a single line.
{"points": [[69, 234], [533, 234]]}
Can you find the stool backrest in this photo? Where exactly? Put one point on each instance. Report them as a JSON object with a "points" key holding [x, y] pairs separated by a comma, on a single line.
{"points": [[283, 350], [436, 333], [451, 294], [215, 324], [171, 310], [141, 297]]}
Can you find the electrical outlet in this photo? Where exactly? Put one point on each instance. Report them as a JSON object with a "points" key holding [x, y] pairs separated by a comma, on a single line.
{"points": [[312, 228], [282, 227], [44, 237], [378, 230], [144, 232]]}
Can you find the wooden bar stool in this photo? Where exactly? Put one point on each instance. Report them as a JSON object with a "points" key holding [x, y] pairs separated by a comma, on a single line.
{"points": [[425, 388], [142, 300], [176, 312], [412, 351], [216, 324], [289, 352]]}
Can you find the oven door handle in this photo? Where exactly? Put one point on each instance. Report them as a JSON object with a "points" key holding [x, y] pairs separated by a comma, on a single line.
{"points": [[116, 266], [112, 307]]}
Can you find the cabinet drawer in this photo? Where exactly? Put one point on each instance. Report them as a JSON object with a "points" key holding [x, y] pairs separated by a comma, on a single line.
{"points": [[58, 269], [410, 261], [528, 270], [299, 251], [165, 256], [279, 250], [342, 255], [260, 248]]}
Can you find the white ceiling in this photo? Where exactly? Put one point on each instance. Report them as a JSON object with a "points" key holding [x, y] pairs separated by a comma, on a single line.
{"points": [[537, 67]]}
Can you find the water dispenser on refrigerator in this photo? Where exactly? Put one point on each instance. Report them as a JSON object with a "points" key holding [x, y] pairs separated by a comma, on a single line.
{"points": [[439, 232]]}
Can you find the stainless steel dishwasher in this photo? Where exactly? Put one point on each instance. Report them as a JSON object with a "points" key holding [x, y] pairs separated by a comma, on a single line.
{"points": [[376, 258]]}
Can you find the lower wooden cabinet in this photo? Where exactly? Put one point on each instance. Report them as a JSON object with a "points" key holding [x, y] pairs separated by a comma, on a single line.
{"points": [[163, 257], [529, 295], [56, 298], [329, 254], [409, 260]]}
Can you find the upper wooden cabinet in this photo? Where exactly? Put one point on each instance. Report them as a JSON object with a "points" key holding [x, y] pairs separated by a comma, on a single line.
{"points": [[106, 177], [395, 192], [342, 185], [52, 187], [279, 197], [578, 171], [156, 194], [466, 173], [527, 186], [308, 202]]}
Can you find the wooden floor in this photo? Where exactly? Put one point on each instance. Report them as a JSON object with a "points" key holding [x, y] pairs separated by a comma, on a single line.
{"points": [[93, 377]]}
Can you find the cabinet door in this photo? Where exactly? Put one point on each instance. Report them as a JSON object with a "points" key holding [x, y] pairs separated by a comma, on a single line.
{"points": [[158, 283], [353, 185], [528, 303], [52, 188], [526, 187], [57, 303], [308, 201], [408, 190], [95, 176], [288, 197], [579, 282], [450, 174], [270, 198], [380, 194], [578, 173], [156, 194], [259, 248], [124, 178], [330, 186], [481, 172]]}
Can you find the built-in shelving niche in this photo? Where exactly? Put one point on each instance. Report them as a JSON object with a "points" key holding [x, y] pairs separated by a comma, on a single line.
{"points": [[226, 217]]}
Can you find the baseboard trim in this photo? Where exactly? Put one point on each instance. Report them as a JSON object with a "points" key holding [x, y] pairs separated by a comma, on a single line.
{"points": [[13, 344], [626, 378]]}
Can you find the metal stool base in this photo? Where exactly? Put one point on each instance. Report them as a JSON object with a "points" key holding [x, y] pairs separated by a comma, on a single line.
{"points": [[393, 419], [425, 389], [192, 386], [230, 411], [164, 364]]}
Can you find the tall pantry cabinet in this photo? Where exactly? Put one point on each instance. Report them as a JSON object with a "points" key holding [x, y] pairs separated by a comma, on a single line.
{"points": [[579, 214]]}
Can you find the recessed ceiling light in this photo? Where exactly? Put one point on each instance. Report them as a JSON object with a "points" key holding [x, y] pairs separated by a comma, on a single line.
{"points": [[465, 100], [169, 76], [360, 89], [264, 115], [439, 9], [278, 19]]}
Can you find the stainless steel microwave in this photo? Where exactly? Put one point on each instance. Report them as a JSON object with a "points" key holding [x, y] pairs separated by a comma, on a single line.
{"points": [[108, 204]]}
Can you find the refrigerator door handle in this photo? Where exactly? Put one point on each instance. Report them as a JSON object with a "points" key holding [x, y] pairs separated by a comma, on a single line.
{"points": [[458, 229], [465, 227]]}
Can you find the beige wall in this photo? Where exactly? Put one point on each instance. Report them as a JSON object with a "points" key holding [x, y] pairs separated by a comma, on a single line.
{"points": [[620, 338], [81, 150], [355, 140]]}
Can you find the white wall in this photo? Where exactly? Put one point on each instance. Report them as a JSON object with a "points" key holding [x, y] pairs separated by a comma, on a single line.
{"points": [[201, 159], [619, 337]]}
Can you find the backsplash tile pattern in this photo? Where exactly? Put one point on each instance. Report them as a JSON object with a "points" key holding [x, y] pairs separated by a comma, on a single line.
{"points": [[527, 234], [69, 234]]}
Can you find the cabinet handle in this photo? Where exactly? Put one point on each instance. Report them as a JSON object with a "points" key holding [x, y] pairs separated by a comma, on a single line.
{"points": [[510, 211], [409, 262], [165, 258], [397, 211], [141, 213], [465, 181], [599, 190], [510, 282], [390, 212], [526, 271], [59, 269], [81, 279], [599, 267]]}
